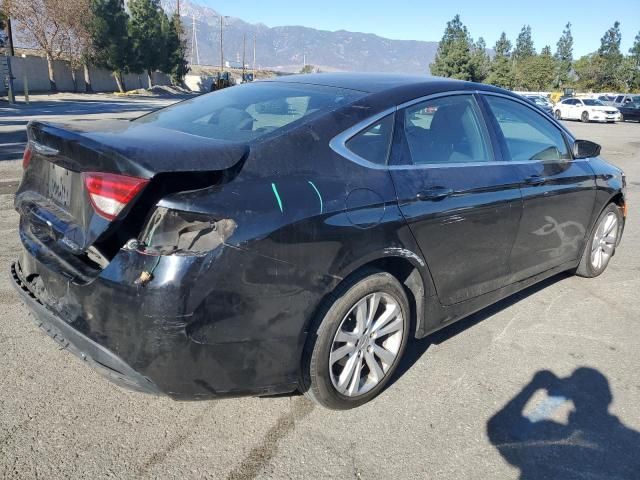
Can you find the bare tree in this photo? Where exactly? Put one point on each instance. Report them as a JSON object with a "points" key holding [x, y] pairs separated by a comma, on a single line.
{"points": [[77, 49], [50, 24]]}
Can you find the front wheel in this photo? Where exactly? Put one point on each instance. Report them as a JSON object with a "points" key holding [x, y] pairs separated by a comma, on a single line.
{"points": [[585, 117], [558, 114], [357, 341], [601, 245]]}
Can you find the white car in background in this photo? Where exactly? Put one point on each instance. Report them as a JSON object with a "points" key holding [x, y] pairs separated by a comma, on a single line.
{"points": [[585, 109]]}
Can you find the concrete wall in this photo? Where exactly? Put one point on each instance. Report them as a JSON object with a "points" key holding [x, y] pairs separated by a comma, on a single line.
{"points": [[198, 83], [35, 69]]}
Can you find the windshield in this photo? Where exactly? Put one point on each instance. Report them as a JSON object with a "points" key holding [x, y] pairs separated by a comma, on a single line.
{"points": [[592, 103], [246, 112]]}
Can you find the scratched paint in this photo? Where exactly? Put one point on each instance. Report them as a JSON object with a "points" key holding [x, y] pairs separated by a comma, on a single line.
{"points": [[275, 192], [319, 196]]}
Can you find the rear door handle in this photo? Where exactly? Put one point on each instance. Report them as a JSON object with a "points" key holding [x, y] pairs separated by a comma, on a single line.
{"points": [[535, 180], [434, 193]]}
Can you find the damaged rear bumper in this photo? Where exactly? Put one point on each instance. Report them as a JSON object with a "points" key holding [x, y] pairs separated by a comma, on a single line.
{"points": [[105, 362], [196, 330]]}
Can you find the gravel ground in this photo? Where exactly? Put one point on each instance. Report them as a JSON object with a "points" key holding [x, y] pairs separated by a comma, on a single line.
{"points": [[58, 419]]}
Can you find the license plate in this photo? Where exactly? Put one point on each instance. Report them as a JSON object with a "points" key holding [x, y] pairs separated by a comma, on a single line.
{"points": [[60, 185]]}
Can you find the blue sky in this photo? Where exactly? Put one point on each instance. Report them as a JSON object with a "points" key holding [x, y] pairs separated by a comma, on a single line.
{"points": [[426, 20]]}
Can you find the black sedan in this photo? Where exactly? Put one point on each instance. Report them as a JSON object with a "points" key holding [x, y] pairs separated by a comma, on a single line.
{"points": [[630, 111], [295, 234]]}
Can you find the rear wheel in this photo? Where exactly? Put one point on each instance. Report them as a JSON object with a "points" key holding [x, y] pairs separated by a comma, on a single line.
{"points": [[585, 117], [601, 245], [357, 341], [558, 114]]}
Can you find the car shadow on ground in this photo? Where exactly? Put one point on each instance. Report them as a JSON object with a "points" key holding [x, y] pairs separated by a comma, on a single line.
{"points": [[418, 347]]}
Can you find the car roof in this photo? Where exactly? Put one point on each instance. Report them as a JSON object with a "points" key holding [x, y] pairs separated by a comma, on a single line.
{"points": [[375, 82]]}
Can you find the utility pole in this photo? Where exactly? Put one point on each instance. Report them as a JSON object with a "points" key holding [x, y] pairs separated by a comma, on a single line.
{"points": [[194, 43], [254, 53], [244, 52], [178, 7], [221, 52]]}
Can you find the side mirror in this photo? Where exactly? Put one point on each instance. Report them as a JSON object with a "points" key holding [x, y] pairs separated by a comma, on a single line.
{"points": [[585, 149]]}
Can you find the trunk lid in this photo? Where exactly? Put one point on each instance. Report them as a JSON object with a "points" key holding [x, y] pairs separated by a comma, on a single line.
{"points": [[57, 215]]}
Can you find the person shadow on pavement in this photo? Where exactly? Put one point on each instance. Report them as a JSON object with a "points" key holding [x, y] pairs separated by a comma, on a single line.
{"points": [[593, 444]]}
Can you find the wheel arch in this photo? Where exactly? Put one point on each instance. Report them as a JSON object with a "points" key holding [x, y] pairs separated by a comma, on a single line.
{"points": [[407, 267]]}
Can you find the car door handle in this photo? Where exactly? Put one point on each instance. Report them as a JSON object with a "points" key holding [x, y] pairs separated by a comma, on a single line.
{"points": [[535, 180], [434, 193]]}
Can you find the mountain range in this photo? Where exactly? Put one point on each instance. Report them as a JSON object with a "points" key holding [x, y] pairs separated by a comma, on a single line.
{"points": [[288, 48]]}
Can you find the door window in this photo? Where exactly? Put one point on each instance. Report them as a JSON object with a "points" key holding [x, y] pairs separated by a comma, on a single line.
{"points": [[373, 143], [446, 130], [528, 135]]}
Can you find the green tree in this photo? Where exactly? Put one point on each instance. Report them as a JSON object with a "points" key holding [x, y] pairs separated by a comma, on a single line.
{"points": [[308, 68], [589, 71], [175, 61], [536, 72], [634, 51], [611, 56], [110, 41], [634, 55], [524, 45], [453, 58], [145, 29], [480, 61], [501, 69], [564, 57]]}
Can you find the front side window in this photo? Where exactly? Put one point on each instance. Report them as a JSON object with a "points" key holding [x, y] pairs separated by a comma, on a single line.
{"points": [[528, 134], [373, 143], [446, 130], [247, 112]]}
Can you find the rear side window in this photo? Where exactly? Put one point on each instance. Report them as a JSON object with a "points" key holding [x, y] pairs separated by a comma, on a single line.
{"points": [[373, 143], [528, 134], [446, 130], [247, 112]]}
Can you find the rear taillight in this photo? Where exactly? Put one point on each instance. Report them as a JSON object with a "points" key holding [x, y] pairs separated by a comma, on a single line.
{"points": [[26, 156], [110, 193]]}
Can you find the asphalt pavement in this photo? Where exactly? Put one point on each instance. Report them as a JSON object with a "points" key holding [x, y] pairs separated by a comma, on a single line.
{"points": [[459, 394]]}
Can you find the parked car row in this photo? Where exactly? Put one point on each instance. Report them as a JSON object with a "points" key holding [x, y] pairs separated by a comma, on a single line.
{"points": [[586, 110], [609, 108]]}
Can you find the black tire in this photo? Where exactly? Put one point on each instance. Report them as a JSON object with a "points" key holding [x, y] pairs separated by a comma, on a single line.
{"points": [[585, 117], [558, 114], [586, 268], [315, 379]]}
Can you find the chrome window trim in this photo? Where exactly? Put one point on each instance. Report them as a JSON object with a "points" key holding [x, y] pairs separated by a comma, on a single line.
{"points": [[338, 143]]}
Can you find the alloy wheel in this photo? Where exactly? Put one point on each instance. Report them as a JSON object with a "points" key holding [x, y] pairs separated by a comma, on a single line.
{"points": [[366, 344], [604, 241]]}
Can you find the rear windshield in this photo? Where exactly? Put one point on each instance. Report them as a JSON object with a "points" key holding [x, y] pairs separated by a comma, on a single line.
{"points": [[247, 112]]}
